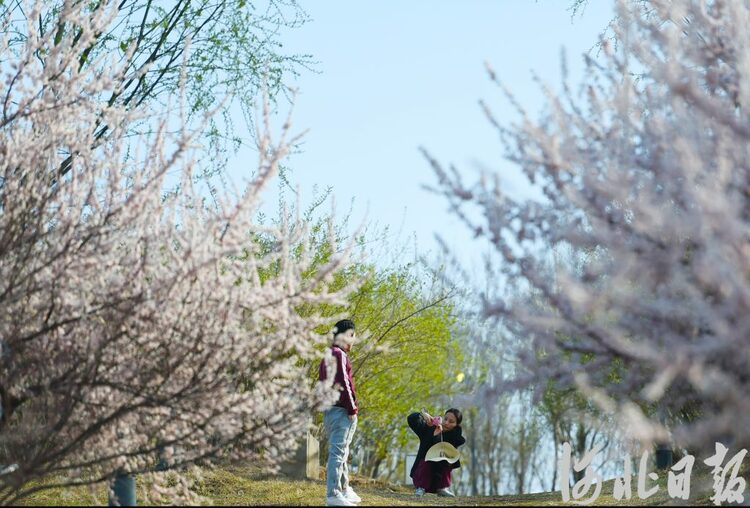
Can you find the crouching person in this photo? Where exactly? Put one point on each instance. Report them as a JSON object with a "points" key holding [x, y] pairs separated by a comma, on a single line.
{"points": [[435, 476]]}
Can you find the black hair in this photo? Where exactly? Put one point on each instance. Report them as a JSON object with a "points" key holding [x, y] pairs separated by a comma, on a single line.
{"points": [[457, 414], [343, 325]]}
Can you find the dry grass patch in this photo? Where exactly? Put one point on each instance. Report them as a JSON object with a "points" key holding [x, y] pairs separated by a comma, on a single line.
{"points": [[235, 486]]}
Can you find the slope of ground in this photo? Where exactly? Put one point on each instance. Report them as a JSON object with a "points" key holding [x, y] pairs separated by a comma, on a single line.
{"points": [[244, 486]]}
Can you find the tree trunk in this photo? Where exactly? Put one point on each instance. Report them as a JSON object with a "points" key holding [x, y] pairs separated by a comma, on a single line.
{"points": [[580, 449], [375, 467], [474, 471], [556, 450]]}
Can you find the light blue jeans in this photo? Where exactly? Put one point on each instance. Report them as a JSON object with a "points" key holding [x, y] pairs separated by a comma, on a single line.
{"points": [[340, 430]]}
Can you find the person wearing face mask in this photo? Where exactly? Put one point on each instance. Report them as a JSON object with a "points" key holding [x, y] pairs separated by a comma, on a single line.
{"points": [[341, 419], [429, 476]]}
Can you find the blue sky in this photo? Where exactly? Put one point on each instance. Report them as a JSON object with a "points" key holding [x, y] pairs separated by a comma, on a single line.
{"points": [[395, 76]]}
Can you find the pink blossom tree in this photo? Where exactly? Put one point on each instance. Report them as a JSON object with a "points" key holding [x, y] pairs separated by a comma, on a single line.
{"points": [[644, 176], [135, 324]]}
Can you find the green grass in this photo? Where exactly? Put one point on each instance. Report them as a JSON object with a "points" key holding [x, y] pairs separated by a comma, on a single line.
{"points": [[245, 486]]}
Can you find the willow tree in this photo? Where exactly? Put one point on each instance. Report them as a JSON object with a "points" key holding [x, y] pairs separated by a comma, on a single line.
{"points": [[407, 357], [407, 354], [220, 51]]}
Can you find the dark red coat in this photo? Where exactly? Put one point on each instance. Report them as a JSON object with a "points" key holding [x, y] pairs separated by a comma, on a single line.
{"points": [[343, 379]]}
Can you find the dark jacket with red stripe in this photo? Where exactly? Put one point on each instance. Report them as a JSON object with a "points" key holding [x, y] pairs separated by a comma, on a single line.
{"points": [[343, 380]]}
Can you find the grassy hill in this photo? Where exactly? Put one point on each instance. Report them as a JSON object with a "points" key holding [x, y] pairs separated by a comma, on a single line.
{"points": [[244, 486]]}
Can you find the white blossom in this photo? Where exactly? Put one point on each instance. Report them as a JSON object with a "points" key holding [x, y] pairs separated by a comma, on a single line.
{"points": [[645, 176], [135, 325]]}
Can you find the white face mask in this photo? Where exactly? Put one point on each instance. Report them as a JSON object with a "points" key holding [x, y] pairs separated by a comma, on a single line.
{"points": [[345, 338]]}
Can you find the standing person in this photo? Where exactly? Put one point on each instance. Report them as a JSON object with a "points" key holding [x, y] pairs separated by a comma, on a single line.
{"points": [[341, 419], [428, 476]]}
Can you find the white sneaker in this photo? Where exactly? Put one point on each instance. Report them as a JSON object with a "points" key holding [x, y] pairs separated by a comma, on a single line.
{"points": [[419, 492], [445, 493], [338, 499], [352, 496]]}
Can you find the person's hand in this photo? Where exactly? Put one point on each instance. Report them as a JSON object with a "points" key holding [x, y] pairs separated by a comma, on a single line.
{"points": [[438, 430], [426, 417]]}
